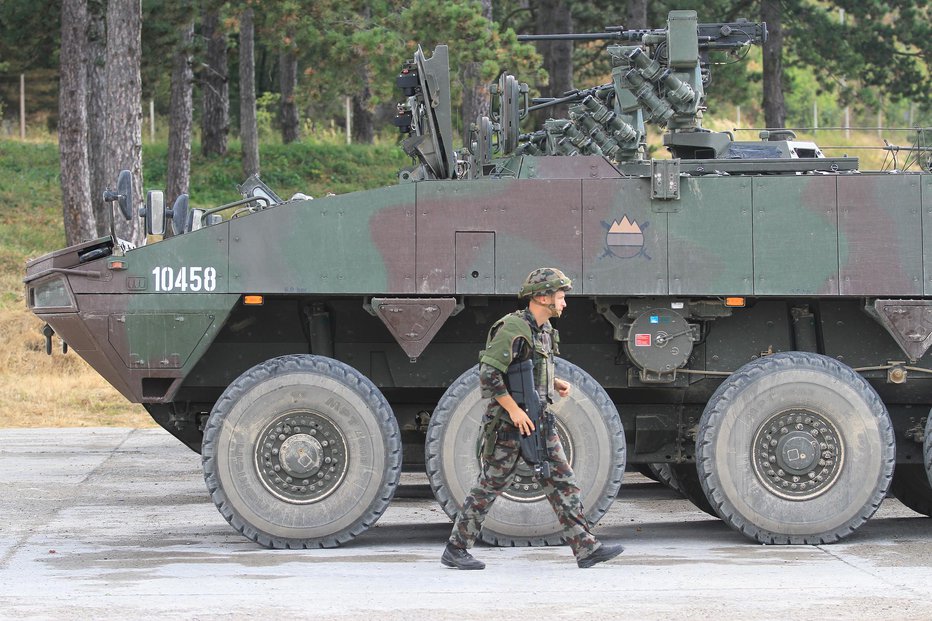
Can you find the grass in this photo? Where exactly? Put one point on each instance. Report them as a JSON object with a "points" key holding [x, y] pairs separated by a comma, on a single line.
{"points": [[37, 390]]}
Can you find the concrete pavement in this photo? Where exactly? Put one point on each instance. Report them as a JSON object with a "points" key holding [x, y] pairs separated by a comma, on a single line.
{"points": [[117, 523]]}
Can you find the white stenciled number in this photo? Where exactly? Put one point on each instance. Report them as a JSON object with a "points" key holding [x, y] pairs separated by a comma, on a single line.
{"points": [[166, 281], [185, 279], [194, 274], [210, 278]]}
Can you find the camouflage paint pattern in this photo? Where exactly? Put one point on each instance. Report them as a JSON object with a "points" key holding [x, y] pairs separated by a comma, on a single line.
{"points": [[753, 235]]}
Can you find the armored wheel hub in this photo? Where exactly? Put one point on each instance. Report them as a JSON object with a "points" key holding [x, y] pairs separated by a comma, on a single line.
{"points": [[301, 457], [798, 454]]}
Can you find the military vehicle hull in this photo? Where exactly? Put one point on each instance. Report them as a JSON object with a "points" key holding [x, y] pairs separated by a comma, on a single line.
{"points": [[399, 285]]}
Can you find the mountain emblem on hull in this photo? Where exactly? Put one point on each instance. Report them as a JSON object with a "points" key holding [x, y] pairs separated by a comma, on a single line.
{"points": [[625, 239]]}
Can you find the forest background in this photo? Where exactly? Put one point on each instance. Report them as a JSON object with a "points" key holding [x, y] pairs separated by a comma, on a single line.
{"points": [[220, 89]]}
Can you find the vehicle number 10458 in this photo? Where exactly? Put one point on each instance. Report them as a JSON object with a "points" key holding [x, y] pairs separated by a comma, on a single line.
{"points": [[185, 279]]}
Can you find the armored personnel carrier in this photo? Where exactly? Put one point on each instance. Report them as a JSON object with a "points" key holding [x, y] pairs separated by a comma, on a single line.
{"points": [[751, 317]]}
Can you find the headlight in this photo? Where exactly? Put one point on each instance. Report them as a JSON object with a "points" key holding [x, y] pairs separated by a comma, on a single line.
{"points": [[50, 293]]}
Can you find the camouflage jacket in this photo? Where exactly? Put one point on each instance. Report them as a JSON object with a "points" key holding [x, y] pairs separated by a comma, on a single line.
{"points": [[517, 337]]}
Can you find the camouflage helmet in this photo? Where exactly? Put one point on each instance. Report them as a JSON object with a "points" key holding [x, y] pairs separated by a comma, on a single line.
{"points": [[544, 281]]}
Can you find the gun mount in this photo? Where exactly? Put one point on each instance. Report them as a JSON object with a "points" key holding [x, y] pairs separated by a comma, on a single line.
{"points": [[658, 76]]}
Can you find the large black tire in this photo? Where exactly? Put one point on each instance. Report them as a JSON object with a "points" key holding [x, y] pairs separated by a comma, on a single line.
{"points": [[592, 436], [927, 448], [758, 432], [301, 451], [688, 483], [646, 470], [663, 473], [911, 487]]}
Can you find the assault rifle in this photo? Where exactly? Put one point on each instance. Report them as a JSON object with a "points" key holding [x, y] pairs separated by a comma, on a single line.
{"points": [[520, 380]]}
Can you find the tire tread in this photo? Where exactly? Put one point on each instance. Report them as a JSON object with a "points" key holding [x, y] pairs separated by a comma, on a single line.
{"points": [[745, 376], [457, 391], [298, 363]]}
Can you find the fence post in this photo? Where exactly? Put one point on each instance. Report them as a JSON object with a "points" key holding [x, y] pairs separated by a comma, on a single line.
{"points": [[349, 122], [22, 106], [151, 120]]}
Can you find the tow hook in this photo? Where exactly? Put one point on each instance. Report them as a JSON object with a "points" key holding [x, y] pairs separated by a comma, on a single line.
{"points": [[49, 332]]}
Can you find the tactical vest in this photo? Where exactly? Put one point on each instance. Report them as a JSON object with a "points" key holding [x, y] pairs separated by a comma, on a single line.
{"points": [[539, 344]]}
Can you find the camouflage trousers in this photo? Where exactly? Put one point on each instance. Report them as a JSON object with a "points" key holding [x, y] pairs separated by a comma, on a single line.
{"points": [[496, 474]]}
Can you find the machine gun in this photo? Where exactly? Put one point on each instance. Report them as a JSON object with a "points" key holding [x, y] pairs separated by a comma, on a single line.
{"points": [[658, 76], [716, 36], [520, 380]]}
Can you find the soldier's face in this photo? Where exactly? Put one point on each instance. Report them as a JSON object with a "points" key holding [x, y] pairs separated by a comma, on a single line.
{"points": [[558, 303]]}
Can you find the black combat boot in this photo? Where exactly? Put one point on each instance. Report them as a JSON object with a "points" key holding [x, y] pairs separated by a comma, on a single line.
{"points": [[604, 553], [460, 558]]}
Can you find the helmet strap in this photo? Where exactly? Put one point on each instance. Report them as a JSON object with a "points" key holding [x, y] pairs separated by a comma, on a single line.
{"points": [[552, 307]]}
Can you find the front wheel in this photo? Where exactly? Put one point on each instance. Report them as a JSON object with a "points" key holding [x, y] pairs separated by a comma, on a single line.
{"points": [[592, 437], [301, 451], [795, 448]]}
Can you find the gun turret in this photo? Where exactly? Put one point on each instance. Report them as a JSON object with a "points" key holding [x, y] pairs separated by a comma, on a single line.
{"points": [[658, 76]]}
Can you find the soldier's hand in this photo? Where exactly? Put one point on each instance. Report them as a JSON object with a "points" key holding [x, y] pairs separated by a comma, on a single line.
{"points": [[563, 388], [522, 421]]}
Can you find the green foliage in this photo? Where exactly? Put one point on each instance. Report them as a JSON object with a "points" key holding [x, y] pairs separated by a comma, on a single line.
{"points": [[266, 111], [30, 199], [472, 39], [309, 167], [878, 58]]}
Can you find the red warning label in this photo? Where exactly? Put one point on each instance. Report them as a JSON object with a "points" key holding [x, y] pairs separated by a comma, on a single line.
{"points": [[642, 340]]}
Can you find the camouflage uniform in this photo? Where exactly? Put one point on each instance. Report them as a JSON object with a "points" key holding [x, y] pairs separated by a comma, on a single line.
{"points": [[507, 342]]}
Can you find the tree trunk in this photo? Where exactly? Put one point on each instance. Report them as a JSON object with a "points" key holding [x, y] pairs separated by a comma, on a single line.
{"points": [[215, 119], [97, 112], [72, 124], [181, 119], [774, 106], [248, 128], [555, 16], [475, 91], [636, 15], [288, 74], [124, 118], [363, 126]]}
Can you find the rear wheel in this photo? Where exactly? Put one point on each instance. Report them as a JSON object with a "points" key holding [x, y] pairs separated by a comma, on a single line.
{"points": [[647, 470], [592, 436], [911, 487], [795, 448], [301, 451], [688, 484], [663, 473], [927, 448]]}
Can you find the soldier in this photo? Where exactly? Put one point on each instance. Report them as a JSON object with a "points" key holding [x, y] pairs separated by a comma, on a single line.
{"points": [[512, 339]]}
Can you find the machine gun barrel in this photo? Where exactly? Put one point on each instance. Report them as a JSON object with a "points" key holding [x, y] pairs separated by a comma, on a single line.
{"points": [[625, 35], [577, 95], [711, 36]]}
